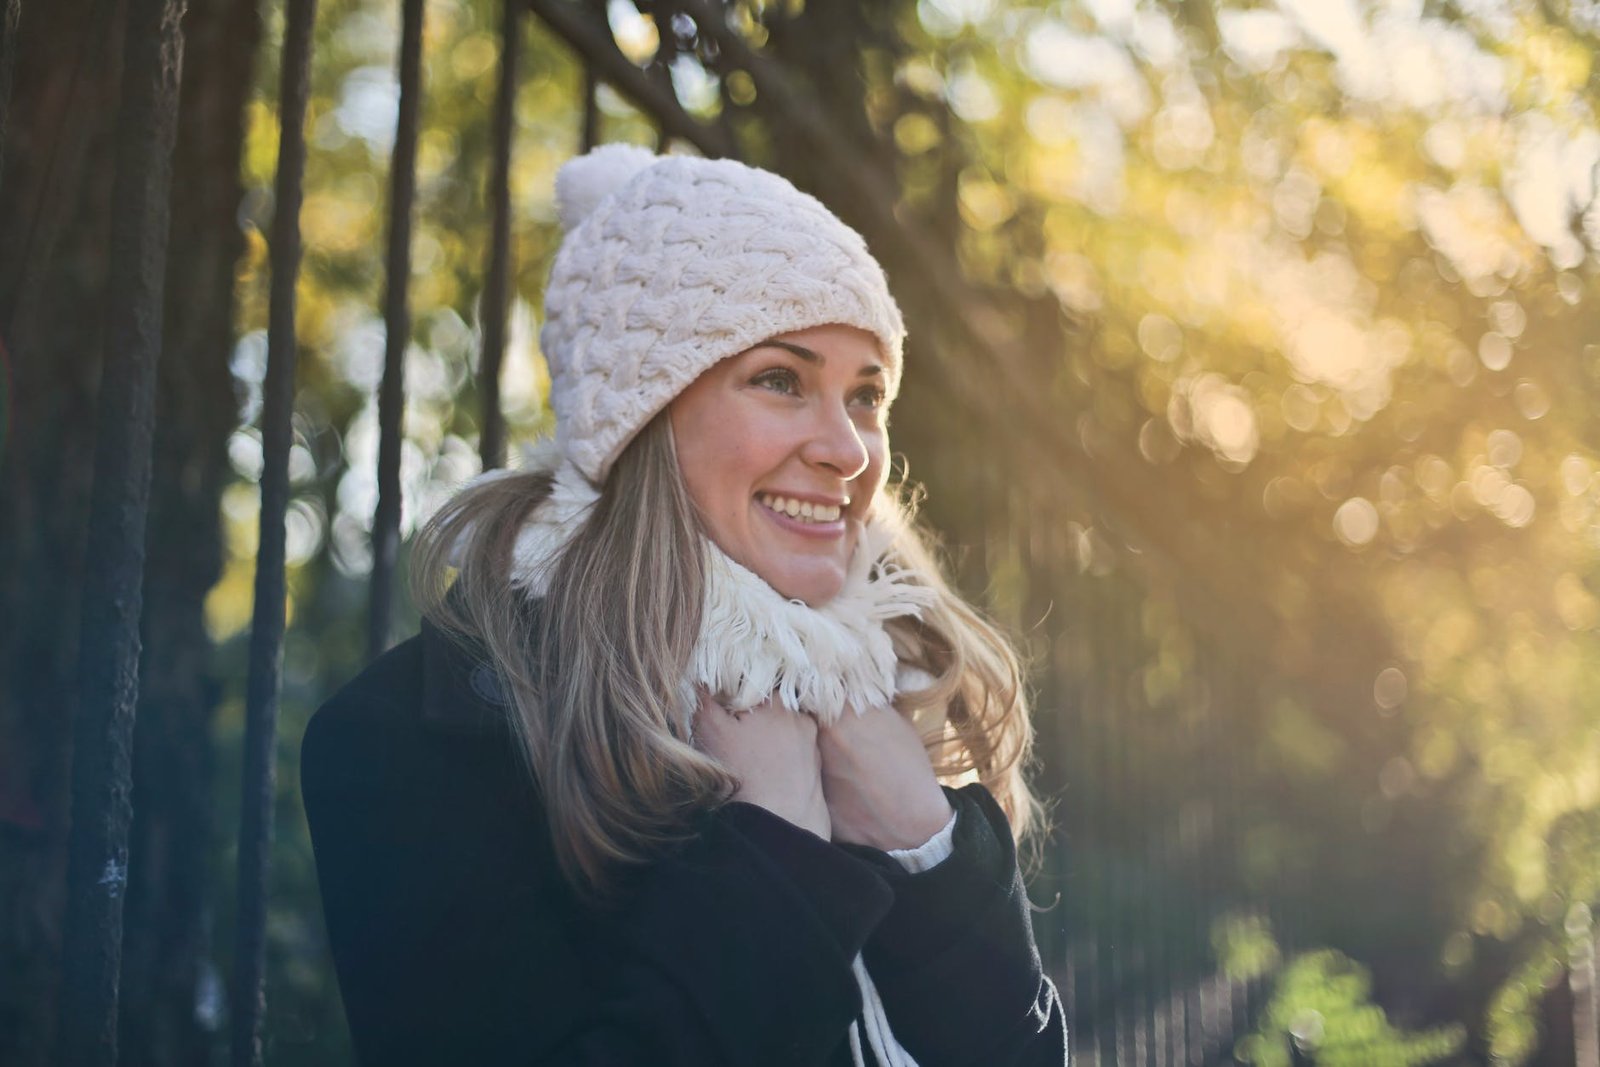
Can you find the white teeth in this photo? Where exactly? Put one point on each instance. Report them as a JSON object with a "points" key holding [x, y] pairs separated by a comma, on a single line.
{"points": [[803, 510]]}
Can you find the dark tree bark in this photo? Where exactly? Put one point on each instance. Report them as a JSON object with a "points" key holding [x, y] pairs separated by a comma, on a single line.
{"points": [[97, 860], [54, 223], [169, 983], [54, 218]]}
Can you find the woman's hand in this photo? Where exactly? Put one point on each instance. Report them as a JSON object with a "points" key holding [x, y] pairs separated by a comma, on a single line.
{"points": [[772, 751], [879, 781]]}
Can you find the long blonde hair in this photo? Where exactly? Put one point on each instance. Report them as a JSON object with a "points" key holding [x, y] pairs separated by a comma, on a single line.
{"points": [[591, 669]]}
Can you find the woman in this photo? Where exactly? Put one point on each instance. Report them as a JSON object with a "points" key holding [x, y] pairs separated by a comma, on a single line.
{"points": [[659, 782]]}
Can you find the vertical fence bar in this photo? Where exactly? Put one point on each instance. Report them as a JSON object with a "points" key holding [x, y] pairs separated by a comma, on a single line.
{"points": [[397, 331], [1234, 996], [1085, 791], [1130, 1034], [1203, 739], [1113, 1046], [97, 865], [1145, 805], [1091, 615], [496, 286], [1041, 560], [267, 621], [1130, 1003], [10, 26], [1130, 1043], [591, 91], [1214, 1022], [1159, 867], [591, 108], [1581, 982], [1191, 834], [659, 69]]}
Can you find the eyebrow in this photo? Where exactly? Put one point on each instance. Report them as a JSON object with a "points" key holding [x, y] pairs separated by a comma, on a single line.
{"points": [[870, 370]]}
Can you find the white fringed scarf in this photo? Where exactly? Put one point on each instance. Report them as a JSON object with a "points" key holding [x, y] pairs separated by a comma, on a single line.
{"points": [[755, 643]]}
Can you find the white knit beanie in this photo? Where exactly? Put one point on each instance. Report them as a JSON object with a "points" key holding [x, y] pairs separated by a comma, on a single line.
{"points": [[671, 264]]}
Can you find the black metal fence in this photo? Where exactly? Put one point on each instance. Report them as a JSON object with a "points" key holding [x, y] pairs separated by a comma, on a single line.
{"points": [[1142, 981]]}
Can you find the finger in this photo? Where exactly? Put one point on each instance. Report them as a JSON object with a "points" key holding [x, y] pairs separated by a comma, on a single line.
{"points": [[847, 721]]}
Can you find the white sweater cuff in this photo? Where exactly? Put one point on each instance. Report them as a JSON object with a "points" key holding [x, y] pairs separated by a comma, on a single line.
{"points": [[930, 853]]}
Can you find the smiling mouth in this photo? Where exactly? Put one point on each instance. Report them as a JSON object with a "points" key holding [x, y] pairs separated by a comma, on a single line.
{"points": [[800, 510]]}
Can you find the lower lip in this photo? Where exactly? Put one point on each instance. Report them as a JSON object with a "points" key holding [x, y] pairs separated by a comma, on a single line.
{"points": [[821, 531]]}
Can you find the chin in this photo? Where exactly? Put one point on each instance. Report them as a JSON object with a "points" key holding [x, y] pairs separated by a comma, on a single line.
{"points": [[815, 587]]}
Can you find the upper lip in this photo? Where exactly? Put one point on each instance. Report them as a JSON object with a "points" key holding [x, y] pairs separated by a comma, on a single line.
{"points": [[808, 498]]}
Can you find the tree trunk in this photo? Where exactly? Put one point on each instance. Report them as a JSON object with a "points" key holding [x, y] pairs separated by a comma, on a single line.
{"points": [[54, 221], [167, 969], [53, 230], [113, 580]]}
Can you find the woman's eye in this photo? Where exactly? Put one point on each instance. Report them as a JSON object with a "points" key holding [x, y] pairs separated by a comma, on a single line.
{"points": [[779, 381], [872, 397]]}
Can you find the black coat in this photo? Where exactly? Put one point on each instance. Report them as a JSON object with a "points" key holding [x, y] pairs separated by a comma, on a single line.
{"points": [[457, 942]]}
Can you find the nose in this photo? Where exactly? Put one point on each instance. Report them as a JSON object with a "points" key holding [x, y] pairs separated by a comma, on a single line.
{"points": [[835, 444]]}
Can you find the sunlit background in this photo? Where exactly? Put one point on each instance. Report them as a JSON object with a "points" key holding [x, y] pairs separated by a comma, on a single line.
{"points": [[1263, 415], [1328, 270]]}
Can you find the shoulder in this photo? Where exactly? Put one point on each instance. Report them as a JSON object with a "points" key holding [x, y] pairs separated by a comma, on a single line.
{"points": [[386, 788], [370, 714], [383, 700], [427, 702], [394, 678]]}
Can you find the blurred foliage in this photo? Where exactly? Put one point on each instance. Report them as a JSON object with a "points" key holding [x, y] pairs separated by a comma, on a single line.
{"points": [[1330, 266], [1321, 1003], [1244, 946], [1513, 1029]]}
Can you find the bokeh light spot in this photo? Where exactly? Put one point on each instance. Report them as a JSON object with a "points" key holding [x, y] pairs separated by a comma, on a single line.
{"points": [[1389, 689], [1494, 350], [1356, 522], [1531, 400]]}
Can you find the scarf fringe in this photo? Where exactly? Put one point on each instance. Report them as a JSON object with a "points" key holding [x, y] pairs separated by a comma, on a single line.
{"points": [[754, 643]]}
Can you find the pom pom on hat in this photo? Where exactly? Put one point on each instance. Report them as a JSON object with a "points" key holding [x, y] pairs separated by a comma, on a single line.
{"points": [[583, 182]]}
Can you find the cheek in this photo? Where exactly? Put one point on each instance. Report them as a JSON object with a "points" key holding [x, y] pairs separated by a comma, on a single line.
{"points": [[722, 459]]}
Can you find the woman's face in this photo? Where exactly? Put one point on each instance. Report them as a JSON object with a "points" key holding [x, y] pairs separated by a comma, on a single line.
{"points": [[783, 447]]}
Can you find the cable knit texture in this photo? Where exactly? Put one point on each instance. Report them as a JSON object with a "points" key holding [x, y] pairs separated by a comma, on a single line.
{"points": [[673, 263]]}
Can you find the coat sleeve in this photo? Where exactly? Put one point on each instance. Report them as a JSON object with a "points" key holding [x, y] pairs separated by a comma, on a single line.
{"points": [[453, 943], [955, 960]]}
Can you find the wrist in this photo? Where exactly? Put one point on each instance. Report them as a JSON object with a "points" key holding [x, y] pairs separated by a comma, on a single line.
{"points": [[811, 815], [931, 852], [917, 829]]}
